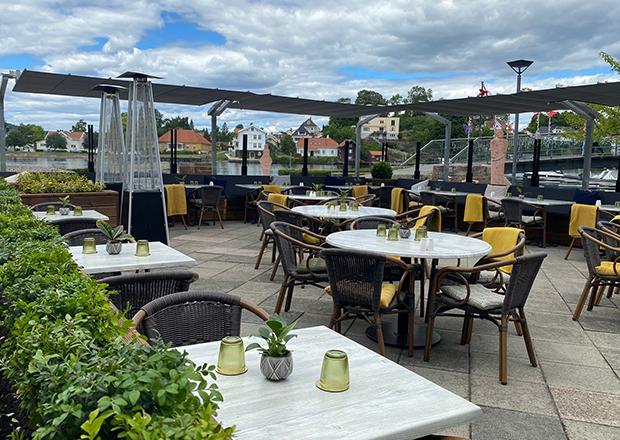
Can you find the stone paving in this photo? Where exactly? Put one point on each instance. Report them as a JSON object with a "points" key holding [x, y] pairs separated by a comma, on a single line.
{"points": [[574, 393]]}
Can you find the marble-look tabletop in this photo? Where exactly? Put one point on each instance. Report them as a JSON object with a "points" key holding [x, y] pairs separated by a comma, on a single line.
{"points": [[384, 400], [86, 213], [324, 211], [536, 202], [303, 197], [445, 245], [450, 193], [162, 257]]}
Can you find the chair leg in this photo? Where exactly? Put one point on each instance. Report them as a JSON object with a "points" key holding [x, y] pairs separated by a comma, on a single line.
{"points": [[518, 328], [545, 237], [289, 297], [377, 317], [610, 291], [469, 229], [245, 213], [467, 323], [335, 313], [411, 329], [273, 253], [594, 296], [582, 299], [275, 268], [527, 338], [503, 350], [599, 295], [429, 338], [260, 253], [219, 217], [184, 224], [283, 289], [200, 221], [570, 248]]}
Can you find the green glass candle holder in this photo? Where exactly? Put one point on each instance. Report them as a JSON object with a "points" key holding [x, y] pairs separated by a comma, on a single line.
{"points": [[381, 231], [335, 376], [617, 204], [508, 195], [89, 246], [421, 233], [453, 190], [51, 210], [77, 211], [142, 248], [428, 188], [353, 206], [392, 234], [539, 197], [343, 207], [231, 359]]}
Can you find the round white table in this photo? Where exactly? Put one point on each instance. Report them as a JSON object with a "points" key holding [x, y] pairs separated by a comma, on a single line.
{"points": [[324, 211], [445, 246], [305, 198]]}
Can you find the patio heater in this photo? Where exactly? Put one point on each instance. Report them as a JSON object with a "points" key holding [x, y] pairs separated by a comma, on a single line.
{"points": [[519, 66], [111, 145], [144, 203]]}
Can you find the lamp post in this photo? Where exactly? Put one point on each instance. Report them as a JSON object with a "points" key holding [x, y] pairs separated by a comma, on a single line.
{"points": [[4, 79], [519, 66]]}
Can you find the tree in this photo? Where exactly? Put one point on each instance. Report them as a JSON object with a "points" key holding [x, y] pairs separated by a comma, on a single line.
{"points": [[80, 126], [16, 139], [25, 135], [56, 141], [370, 97], [239, 126], [287, 145], [95, 141], [418, 94], [395, 100], [340, 129]]}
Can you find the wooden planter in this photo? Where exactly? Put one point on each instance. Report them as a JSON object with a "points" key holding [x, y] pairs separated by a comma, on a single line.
{"points": [[105, 202]]}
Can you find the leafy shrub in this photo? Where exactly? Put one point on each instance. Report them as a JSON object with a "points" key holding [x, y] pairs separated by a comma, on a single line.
{"points": [[39, 183], [381, 170], [63, 349]]}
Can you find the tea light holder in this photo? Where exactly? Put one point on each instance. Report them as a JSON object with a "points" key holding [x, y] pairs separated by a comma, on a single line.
{"points": [[539, 197], [89, 246], [617, 204], [392, 234], [231, 359], [420, 233], [453, 190], [77, 211], [51, 210], [508, 195], [353, 206], [334, 372], [381, 231], [142, 248]]}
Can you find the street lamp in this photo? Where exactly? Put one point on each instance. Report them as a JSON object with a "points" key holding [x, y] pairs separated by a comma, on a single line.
{"points": [[13, 74], [519, 66]]}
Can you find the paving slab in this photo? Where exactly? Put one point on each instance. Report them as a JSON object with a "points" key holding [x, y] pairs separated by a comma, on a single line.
{"points": [[586, 406], [503, 424]]}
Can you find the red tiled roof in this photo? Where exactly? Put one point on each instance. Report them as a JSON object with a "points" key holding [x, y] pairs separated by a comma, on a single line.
{"points": [[375, 153], [185, 137], [74, 135], [316, 143]]}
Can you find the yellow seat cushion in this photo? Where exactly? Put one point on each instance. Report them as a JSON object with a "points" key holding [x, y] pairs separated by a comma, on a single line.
{"points": [[387, 294], [414, 204], [607, 268], [310, 239]]}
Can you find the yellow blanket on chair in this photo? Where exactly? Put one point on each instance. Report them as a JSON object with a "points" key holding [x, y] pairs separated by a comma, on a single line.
{"points": [[502, 239], [359, 191], [272, 188], [280, 199], [473, 209], [176, 203], [397, 200], [435, 224], [581, 215]]}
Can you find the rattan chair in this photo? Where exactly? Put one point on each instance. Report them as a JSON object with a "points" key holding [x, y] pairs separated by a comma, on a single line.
{"points": [[297, 190], [251, 199], [366, 200], [357, 289], [40, 207], [311, 270], [371, 222], [447, 205], [204, 199], [385, 197], [76, 238], [575, 222], [266, 215], [71, 224], [602, 275], [194, 317], [513, 216], [136, 290], [479, 302]]}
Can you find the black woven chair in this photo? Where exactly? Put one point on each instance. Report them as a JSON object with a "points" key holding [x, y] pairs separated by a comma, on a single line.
{"points": [[266, 215], [311, 270], [447, 205], [76, 238], [40, 207], [513, 216], [297, 190], [385, 197], [194, 317], [371, 222], [136, 290], [251, 198], [206, 198], [356, 282], [366, 199], [479, 302], [607, 239], [71, 224]]}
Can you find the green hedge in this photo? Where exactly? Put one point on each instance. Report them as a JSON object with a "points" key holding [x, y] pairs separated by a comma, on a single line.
{"points": [[65, 356], [38, 183], [315, 173]]}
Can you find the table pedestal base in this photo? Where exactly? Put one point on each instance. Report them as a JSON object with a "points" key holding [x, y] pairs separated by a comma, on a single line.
{"points": [[392, 338]]}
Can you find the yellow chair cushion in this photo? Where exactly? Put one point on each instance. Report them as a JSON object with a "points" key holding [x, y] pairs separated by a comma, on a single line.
{"points": [[272, 188], [607, 268], [502, 239], [581, 215], [387, 294], [310, 239], [473, 209]]}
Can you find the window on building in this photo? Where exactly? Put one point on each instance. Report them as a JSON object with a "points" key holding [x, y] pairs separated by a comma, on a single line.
{"points": [[260, 136], [393, 129], [366, 128], [254, 137], [393, 122], [381, 122]]}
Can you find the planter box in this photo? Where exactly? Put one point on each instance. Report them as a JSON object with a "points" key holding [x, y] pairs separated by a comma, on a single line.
{"points": [[105, 202], [387, 182]]}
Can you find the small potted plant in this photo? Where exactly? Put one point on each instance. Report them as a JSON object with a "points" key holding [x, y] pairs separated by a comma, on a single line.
{"points": [[317, 189], [405, 227], [115, 237], [64, 209], [343, 197], [181, 179], [521, 193], [276, 362]]}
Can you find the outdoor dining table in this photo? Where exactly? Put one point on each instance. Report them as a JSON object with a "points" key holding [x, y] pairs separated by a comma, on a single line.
{"points": [[87, 214], [450, 193], [305, 198], [162, 257], [325, 212], [384, 400], [445, 246], [542, 203]]}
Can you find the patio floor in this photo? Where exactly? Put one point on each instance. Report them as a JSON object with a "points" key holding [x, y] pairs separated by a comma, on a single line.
{"points": [[574, 393]]}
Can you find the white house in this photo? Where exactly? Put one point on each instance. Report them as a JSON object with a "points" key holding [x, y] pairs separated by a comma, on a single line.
{"points": [[307, 129], [381, 128], [318, 147], [256, 141], [74, 140]]}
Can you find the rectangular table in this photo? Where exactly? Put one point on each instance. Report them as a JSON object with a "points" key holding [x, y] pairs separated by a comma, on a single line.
{"points": [[162, 257], [384, 401], [87, 213], [536, 202]]}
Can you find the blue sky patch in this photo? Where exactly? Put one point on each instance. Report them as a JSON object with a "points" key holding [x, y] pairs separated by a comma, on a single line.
{"points": [[177, 30], [20, 62]]}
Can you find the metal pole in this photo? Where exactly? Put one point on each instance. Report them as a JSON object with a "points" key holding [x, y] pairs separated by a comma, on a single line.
{"points": [[536, 163], [5, 80], [91, 149], [618, 179], [173, 150], [244, 156], [304, 168], [345, 167], [446, 150], [515, 146], [590, 115], [469, 177], [213, 144], [418, 150]]}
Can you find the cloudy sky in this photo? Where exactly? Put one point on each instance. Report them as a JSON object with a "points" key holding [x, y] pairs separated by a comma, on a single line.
{"points": [[320, 49]]}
